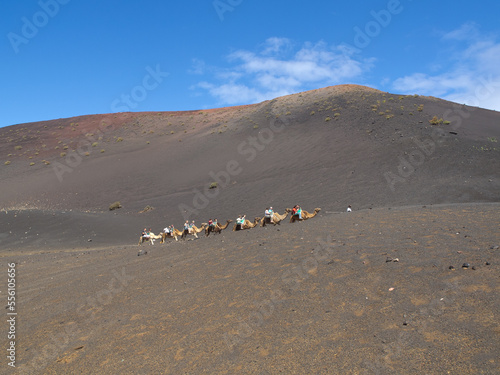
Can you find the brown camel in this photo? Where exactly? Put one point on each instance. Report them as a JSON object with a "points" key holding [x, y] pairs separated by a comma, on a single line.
{"points": [[277, 218], [217, 229], [247, 224], [152, 237], [164, 236], [194, 230], [305, 215]]}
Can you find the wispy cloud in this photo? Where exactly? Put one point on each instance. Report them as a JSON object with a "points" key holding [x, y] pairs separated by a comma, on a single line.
{"points": [[279, 68], [472, 74]]}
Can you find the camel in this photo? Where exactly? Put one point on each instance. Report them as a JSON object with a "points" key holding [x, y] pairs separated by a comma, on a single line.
{"points": [[247, 224], [218, 228], [152, 237], [194, 230], [164, 236], [305, 215], [277, 218]]}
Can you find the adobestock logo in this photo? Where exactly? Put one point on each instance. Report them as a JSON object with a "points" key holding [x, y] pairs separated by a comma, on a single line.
{"points": [[372, 29], [140, 92], [30, 28], [223, 6]]}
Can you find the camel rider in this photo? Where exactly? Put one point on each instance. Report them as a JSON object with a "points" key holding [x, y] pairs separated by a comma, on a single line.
{"points": [[239, 221], [271, 213], [299, 212], [191, 225], [268, 214], [210, 223], [215, 223], [145, 234], [186, 227], [166, 230]]}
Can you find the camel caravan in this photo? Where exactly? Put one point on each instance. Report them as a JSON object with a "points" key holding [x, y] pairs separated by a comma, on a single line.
{"points": [[213, 226]]}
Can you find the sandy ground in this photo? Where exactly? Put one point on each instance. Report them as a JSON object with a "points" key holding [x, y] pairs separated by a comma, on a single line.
{"points": [[319, 296]]}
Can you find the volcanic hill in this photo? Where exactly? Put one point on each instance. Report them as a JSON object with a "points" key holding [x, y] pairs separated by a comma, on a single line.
{"points": [[326, 148]]}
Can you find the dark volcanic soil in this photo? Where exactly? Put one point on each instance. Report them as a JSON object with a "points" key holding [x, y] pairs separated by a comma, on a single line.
{"points": [[316, 297]]}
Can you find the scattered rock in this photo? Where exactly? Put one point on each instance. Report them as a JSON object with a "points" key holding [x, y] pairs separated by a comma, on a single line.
{"points": [[451, 268], [488, 263], [465, 265]]}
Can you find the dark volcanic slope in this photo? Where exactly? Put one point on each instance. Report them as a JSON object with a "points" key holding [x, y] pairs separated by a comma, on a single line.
{"points": [[316, 297], [329, 148]]}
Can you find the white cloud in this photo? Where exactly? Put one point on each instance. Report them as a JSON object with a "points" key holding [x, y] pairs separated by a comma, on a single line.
{"points": [[473, 72], [277, 70]]}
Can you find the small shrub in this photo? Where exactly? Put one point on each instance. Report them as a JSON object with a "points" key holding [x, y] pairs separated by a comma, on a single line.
{"points": [[213, 185], [18, 148], [492, 139], [336, 114], [446, 122], [63, 154], [327, 119], [94, 144], [389, 116], [103, 150], [115, 206], [32, 164], [7, 162], [146, 209], [119, 139], [312, 113], [420, 108], [436, 121]]}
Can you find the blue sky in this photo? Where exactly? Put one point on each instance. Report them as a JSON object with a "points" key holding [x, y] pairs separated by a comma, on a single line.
{"points": [[64, 58]]}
